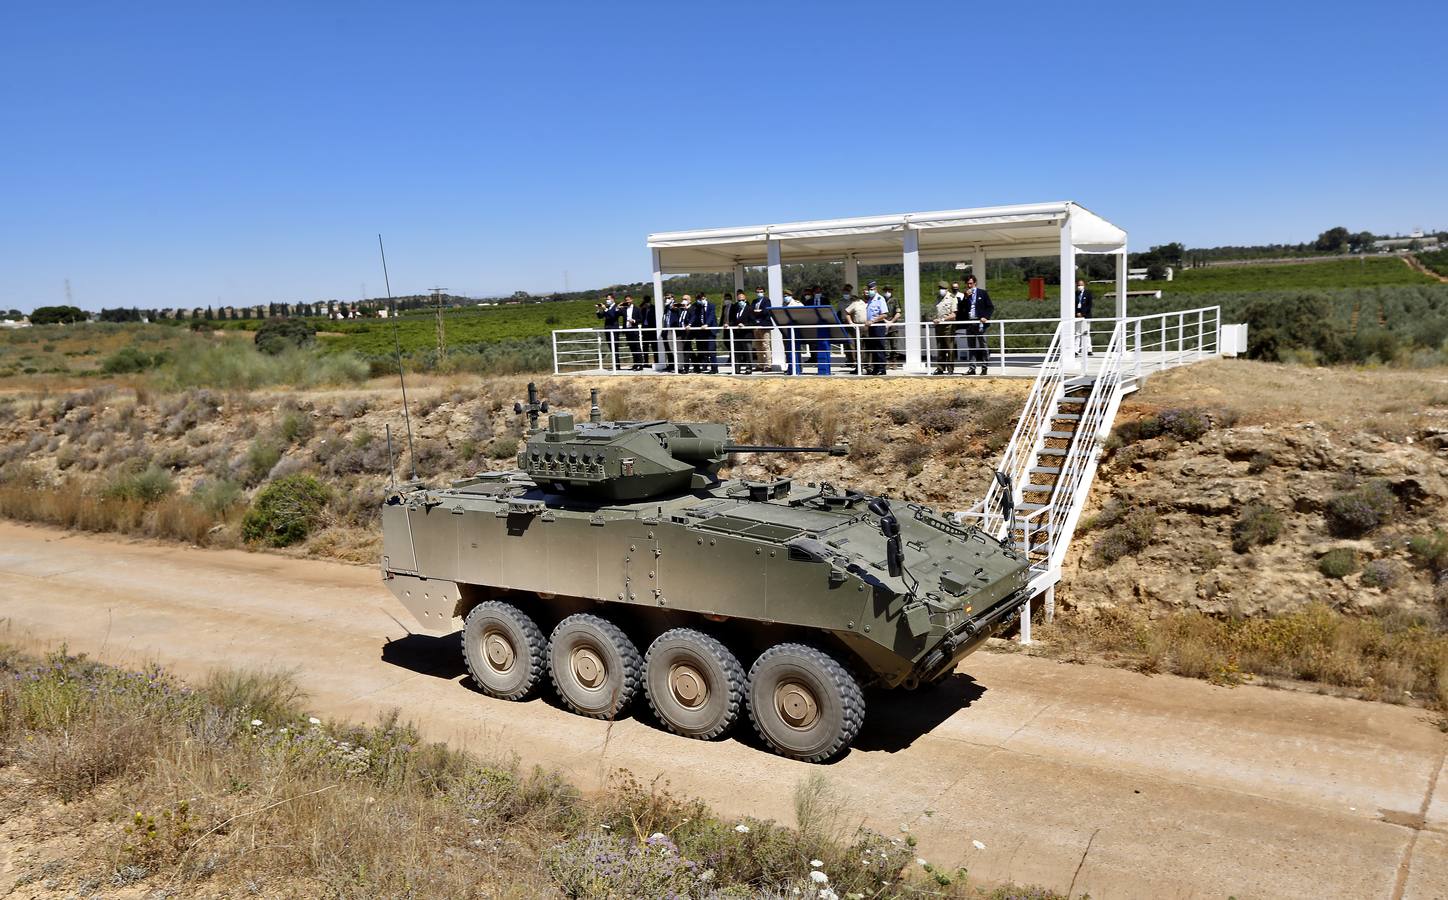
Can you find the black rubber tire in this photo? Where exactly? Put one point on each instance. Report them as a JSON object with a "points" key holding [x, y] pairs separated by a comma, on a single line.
{"points": [[524, 638], [622, 666], [839, 700], [720, 670]]}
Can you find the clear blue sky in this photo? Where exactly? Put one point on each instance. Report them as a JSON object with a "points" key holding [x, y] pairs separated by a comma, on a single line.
{"points": [[200, 153]]}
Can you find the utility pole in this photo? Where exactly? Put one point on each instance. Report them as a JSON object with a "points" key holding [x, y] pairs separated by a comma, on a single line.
{"points": [[437, 295]]}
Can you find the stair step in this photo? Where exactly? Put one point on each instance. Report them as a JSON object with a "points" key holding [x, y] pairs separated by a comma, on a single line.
{"points": [[1067, 417], [1045, 470], [1060, 434], [1051, 451], [1072, 400], [1030, 507], [1038, 489]]}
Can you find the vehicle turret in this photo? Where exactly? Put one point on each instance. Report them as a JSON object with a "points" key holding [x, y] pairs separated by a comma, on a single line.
{"points": [[630, 460]]}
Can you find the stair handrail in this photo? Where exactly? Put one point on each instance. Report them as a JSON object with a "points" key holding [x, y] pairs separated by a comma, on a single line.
{"points": [[1073, 482], [1026, 439]]}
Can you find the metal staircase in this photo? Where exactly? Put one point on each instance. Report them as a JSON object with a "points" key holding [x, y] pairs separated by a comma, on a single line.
{"points": [[1051, 459]]}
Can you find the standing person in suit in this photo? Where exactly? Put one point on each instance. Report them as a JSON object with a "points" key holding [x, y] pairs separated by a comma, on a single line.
{"points": [[609, 312], [629, 323], [976, 310], [701, 322], [736, 319], [877, 313], [944, 346], [820, 340], [647, 338], [671, 346], [1084, 299], [763, 328]]}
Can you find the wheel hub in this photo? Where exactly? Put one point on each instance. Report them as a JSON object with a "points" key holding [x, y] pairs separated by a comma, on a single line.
{"points": [[498, 652], [588, 668], [688, 685], [796, 704]]}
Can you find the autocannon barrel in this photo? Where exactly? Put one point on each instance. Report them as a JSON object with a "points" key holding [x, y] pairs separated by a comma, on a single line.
{"points": [[835, 450], [700, 450]]}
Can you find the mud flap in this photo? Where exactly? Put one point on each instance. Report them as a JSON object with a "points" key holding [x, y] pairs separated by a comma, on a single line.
{"points": [[431, 601]]}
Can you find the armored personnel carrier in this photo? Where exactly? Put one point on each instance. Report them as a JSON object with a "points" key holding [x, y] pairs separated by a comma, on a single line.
{"points": [[618, 565]]}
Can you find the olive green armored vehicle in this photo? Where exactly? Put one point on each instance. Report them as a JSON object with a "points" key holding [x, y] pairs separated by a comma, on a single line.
{"points": [[619, 566]]}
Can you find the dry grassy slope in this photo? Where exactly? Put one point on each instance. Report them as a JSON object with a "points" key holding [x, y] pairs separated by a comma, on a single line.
{"points": [[1322, 430], [928, 440]]}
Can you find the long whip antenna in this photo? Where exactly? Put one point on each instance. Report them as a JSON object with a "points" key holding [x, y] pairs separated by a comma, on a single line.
{"points": [[397, 343]]}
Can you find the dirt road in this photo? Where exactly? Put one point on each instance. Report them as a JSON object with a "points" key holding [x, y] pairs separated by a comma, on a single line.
{"points": [[1097, 780]]}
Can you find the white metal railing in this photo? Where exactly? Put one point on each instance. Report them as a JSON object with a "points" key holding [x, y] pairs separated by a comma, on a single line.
{"points": [[1045, 533], [1026, 440], [1078, 468], [1006, 347]]}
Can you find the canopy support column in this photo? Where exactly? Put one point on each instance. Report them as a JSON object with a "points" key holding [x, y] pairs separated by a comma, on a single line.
{"points": [[738, 278], [776, 297], [1068, 306], [852, 273], [977, 267], [658, 305], [776, 273], [1121, 283], [913, 362]]}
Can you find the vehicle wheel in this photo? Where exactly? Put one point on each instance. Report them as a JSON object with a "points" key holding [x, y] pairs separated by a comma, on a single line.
{"points": [[695, 685], [804, 703], [504, 649], [594, 665]]}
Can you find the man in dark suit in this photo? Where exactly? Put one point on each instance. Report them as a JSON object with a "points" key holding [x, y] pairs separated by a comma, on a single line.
{"points": [[609, 311], [701, 323], [762, 325], [647, 319], [737, 319], [629, 322], [671, 348], [1084, 299], [975, 309]]}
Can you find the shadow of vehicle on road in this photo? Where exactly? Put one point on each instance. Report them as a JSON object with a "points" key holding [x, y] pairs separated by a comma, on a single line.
{"points": [[893, 721], [896, 719]]}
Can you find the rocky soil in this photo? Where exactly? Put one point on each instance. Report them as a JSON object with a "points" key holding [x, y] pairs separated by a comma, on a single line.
{"points": [[1286, 438], [1301, 438]]}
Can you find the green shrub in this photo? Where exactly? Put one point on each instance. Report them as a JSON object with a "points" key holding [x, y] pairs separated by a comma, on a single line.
{"points": [[130, 359], [1184, 424], [295, 427], [261, 456], [234, 365], [1338, 563], [1358, 511], [268, 695], [1110, 514], [147, 486], [1130, 536], [1258, 524], [1281, 324], [277, 335], [285, 512], [1138, 430], [216, 495], [1381, 573], [503, 448], [1431, 552], [1260, 462]]}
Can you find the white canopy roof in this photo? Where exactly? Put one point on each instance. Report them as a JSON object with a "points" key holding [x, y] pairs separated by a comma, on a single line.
{"points": [[998, 231]]}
